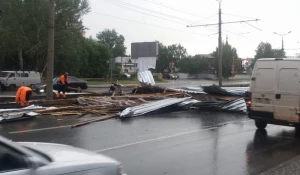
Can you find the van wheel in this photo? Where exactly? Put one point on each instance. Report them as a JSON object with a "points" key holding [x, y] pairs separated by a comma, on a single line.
{"points": [[3, 88], [260, 124], [12, 87]]}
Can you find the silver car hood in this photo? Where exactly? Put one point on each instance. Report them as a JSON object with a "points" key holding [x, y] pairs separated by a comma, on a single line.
{"points": [[65, 153]]}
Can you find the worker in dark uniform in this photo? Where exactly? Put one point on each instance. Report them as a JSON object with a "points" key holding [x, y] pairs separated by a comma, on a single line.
{"points": [[23, 95], [63, 84]]}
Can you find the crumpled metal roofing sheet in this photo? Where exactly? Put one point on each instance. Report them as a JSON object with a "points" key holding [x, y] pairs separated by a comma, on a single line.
{"points": [[149, 107], [238, 105], [216, 90], [146, 77]]}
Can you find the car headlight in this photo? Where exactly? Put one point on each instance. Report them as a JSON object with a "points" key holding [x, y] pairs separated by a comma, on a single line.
{"points": [[42, 90], [120, 170]]}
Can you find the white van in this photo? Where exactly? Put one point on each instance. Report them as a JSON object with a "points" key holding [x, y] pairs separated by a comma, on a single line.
{"points": [[274, 95], [14, 79]]}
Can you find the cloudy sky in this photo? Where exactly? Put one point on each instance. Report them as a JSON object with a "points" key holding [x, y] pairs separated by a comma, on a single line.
{"points": [[166, 20]]}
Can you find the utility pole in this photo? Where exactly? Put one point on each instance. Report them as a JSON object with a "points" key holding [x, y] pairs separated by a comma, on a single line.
{"points": [[220, 52], [50, 54], [282, 35], [220, 45]]}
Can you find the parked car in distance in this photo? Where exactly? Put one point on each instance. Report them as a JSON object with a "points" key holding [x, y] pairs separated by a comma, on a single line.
{"points": [[26, 158], [14, 79], [274, 92], [73, 82], [169, 76], [126, 75]]}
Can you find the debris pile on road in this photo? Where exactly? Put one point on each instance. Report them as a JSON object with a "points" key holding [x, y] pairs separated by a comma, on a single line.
{"points": [[142, 100]]}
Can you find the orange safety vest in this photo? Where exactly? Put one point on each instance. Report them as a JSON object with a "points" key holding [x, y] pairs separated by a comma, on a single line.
{"points": [[21, 94], [63, 80]]}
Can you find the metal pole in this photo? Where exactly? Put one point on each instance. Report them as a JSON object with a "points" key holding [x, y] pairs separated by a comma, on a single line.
{"points": [[282, 43], [50, 55], [111, 75], [220, 45]]}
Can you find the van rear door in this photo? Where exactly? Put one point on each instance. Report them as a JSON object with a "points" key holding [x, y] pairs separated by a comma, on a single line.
{"points": [[263, 87], [286, 102]]}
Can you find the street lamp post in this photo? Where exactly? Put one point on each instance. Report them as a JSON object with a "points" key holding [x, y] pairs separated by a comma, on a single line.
{"points": [[282, 35]]}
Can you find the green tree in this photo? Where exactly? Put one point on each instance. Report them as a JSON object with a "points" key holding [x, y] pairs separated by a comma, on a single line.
{"points": [[114, 42], [193, 65], [94, 59], [23, 33], [264, 50], [228, 53], [174, 52]]}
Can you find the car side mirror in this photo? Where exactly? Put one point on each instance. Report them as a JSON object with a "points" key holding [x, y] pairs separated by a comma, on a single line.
{"points": [[34, 163]]}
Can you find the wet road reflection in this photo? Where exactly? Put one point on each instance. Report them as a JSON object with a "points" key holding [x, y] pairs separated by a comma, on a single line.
{"points": [[189, 142]]}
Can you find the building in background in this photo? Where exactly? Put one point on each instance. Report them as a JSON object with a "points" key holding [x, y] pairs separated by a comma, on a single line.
{"points": [[146, 54], [126, 64]]}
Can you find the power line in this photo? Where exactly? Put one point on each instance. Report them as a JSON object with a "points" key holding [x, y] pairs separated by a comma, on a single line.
{"points": [[253, 26], [118, 2], [148, 13], [161, 4], [238, 15], [231, 22], [148, 24], [204, 19]]}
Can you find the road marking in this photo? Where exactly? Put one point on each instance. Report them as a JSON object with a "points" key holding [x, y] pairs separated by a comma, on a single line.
{"points": [[57, 127], [42, 129], [170, 136]]}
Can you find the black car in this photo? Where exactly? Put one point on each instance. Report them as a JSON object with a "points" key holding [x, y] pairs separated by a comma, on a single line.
{"points": [[169, 76], [73, 82]]}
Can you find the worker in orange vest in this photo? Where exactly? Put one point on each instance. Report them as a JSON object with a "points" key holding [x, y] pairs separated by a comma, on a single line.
{"points": [[63, 82], [23, 95]]}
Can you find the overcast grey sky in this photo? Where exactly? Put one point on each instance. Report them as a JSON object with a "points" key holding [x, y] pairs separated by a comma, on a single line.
{"points": [[136, 25]]}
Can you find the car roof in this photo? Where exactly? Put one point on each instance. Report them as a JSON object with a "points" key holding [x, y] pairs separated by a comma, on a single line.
{"points": [[20, 72], [278, 59]]}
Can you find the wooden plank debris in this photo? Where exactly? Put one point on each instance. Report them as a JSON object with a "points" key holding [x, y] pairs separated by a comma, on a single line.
{"points": [[106, 117]]}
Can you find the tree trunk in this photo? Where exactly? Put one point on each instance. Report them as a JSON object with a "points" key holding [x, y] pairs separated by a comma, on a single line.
{"points": [[20, 56]]}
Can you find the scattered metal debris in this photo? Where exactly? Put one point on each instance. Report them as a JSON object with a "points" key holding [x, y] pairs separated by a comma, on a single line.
{"points": [[149, 107], [237, 105], [142, 100], [146, 78], [216, 90]]}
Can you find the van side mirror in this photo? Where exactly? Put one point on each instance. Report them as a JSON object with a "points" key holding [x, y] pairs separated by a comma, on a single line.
{"points": [[253, 78]]}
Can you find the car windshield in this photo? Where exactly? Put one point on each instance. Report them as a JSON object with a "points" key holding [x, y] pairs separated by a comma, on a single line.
{"points": [[39, 153], [4, 74]]}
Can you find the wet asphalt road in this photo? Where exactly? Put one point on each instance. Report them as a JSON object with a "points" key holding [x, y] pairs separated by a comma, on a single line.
{"points": [[186, 142]]}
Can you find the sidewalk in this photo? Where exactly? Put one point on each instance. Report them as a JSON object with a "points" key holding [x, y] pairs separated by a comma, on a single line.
{"points": [[291, 167]]}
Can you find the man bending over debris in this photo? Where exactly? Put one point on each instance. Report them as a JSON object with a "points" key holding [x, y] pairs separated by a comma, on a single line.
{"points": [[63, 85], [23, 95]]}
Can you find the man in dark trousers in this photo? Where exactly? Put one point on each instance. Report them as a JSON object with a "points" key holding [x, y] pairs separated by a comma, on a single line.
{"points": [[63, 82]]}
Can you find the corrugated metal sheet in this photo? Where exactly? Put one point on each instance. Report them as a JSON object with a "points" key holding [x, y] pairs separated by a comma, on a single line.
{"points": [[146, 78], [238, 105], [149, 107], [216, 90]]}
